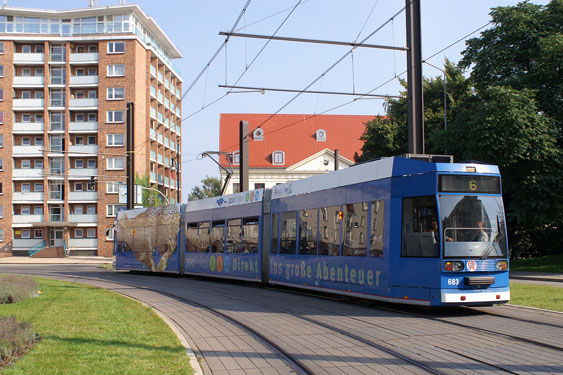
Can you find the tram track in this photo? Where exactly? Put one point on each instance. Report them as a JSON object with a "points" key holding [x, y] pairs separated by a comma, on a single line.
{"points": [[295, 363], [299, 365]]}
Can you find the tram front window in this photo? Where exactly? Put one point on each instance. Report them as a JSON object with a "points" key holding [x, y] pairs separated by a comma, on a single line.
{"points": [[473, 226]]}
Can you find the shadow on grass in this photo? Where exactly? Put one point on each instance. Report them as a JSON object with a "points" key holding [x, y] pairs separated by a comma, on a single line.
{"points": [[124, 344]]}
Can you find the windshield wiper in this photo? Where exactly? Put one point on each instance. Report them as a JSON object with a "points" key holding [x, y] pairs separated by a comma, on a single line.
{"points": [[491, 244]]}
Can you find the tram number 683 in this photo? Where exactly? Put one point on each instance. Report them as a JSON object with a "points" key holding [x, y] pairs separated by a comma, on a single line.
{"points": [[453, 281]]}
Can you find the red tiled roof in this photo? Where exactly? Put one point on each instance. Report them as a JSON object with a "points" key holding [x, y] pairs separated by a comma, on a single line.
{"points": [[292, 134]]}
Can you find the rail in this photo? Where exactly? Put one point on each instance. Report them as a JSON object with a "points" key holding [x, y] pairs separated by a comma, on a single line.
{"points": [[37, 248]]}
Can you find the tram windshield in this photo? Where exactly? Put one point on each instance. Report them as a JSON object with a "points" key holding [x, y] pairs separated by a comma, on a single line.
{"points": [[473, 226]]}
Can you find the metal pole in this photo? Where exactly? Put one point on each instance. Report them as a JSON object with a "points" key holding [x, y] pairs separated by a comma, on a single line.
{"points": [[130, 156], [414, 78], [243, 147], [177, 178]]}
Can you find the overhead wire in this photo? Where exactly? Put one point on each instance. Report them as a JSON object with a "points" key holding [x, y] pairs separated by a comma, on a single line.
{"points": [[360, 97]]}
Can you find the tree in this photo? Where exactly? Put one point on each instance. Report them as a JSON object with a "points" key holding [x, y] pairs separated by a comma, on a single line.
{"points": [[388, 135], [211, 187], [523, 50], [150, 198]]}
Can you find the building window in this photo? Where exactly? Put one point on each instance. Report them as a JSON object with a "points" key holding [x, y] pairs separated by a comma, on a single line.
{"points": [[1, 164], [79, 163], [25, 187], [78, 186], [38, 187], [1, 70], [116, 163], [111, 210], [236, 187], [38, 210], [1, 94], [1, 140], [116, 47], [26, 164], [1, 48], [320, 135], [116, 70], [92, 140], [38, 164], [26, 49], [1, 117], [1, 211], [1, 230], [91, 210], [278, 158], [26, 72], [91, 163], [116, 140], [38, 233], [91, 233], [258, 134], [236, 157], [92, 117], [116, 93], [78, 233], [113, 187], [115, 116], [259, 185], [26, 233], [109, 234]]}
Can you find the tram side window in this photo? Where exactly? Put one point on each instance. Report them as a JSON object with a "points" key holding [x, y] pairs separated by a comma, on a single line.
{"points": [[234, 234], [191, 237], [275, 235], [218, 236], [376, 230], [329, 227], [288, 234], [308, 232], [203, 237], [355, 230], [250, 233], [419, 219]]}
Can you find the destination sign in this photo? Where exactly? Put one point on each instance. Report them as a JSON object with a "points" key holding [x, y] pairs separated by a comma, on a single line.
{"points": [[469, 184]]}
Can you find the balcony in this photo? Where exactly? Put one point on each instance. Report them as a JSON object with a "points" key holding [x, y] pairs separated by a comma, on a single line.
{"points": [[83, 243], [83, 104], [27, 197], [83, 196], [84, 58], [26, 219], [32, 151], [22, 243], [26, 174], [83, 150], [56, 173], [83, 218], [37, 81], [28, 128], [29, 58], [84, 81], [28, 104], [83, 127], [82, 173]]}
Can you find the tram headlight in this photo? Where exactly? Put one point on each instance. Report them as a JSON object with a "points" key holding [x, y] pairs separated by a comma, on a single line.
{"points": [[502, 265], [453, 266]]}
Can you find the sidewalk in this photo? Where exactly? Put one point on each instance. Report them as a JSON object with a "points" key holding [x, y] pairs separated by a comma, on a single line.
{"points": [[537, 276], [68, 260]]}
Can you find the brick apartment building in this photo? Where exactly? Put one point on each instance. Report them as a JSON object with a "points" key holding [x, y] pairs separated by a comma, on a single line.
{"points": [[65, 80]]}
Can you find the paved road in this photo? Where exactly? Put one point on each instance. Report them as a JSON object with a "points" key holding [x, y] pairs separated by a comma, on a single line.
{"points": [[223, 322]]}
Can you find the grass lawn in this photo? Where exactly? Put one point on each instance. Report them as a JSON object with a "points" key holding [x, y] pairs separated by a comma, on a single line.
{"points": [[540, 296], [552, 263], [85, 330]]}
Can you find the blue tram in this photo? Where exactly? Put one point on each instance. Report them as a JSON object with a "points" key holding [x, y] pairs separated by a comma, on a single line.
{"points": [[395, 229]]}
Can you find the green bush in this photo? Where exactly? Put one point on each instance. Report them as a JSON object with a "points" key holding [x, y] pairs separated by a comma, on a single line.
{"points": [[14, 288], [16, 338]]}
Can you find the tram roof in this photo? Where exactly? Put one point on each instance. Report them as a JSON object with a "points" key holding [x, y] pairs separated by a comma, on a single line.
{"points": [[376, 170]]}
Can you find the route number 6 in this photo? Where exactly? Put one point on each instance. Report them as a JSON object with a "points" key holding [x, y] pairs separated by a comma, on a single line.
{"points": [[453, 281]]}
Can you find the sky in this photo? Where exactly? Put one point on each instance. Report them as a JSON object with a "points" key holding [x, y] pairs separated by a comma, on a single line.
{"points": [[194, 26]]}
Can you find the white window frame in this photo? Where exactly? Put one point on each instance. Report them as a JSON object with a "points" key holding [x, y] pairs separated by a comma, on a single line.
{"points": [[113, 187], [278, 158], [111, 163], [109, 233], [38, 164], [78, 186], [26, 190], [116, 70], [116, 93], [112, 48], [111, 140], [78, 233], [111, 118], [90, 233], [25, 164], [36, 185]]}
